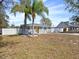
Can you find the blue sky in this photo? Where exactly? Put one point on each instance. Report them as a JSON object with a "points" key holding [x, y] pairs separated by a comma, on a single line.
{"points": [[57, 13]]}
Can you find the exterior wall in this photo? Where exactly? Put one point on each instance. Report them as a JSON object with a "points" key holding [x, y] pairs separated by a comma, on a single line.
{"points": [[58, 30], [61, 30], [52, 30], [48, 30], [44, 31], [15, 31], [73, 30], [23, 31], [10, 31], [67, 29]]}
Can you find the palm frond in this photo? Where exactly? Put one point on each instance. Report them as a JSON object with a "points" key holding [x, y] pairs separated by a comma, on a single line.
{"points": [[46, 10], [26, 2], [17, 8], [39, 8], [28, 16], [46, 21]]}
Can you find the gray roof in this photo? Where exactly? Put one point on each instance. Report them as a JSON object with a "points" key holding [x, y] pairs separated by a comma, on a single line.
{"points": [[74, 25], [67, 24], [63, 25], [31, 25], [39, 25], [34, 24]]}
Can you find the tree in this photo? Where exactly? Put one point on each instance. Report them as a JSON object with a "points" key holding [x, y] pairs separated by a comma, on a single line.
{"points": [[3, 18], [4, 5], [46, 21], [23, 7], [32, 7], [3, 21], [39, 9], [75, 18], [73, 5], [12, 26]]}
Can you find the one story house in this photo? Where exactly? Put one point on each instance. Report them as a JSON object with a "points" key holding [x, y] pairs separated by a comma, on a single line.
{"points": [[67, 27], [25, 30], [38, 28]]}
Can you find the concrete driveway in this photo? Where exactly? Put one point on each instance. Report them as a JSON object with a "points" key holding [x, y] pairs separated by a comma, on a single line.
{"points": [[68, 33]]}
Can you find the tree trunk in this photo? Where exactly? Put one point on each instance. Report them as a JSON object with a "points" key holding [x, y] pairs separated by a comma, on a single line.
{"points": [[25, 24], [33, 17], [25, 21], [33, 26]]}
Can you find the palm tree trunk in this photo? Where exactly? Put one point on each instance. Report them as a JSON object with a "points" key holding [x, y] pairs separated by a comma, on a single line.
{"points": [[25, 24], [25, 21], [33, 26]]}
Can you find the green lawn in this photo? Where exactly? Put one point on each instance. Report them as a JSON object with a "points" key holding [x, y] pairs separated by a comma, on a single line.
{"points": [[51, 46]]}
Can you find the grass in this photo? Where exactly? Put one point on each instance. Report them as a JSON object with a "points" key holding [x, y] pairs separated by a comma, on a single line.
{"points": [[51, 46]]}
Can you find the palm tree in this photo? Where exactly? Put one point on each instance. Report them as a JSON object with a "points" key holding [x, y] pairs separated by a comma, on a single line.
{"points": [[32, 7], [23, 7], [39, 9], [46, 21]]}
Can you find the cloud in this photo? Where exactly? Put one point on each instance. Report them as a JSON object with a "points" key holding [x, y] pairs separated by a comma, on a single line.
{"points": [[17, 20], [57, 13], [57, 20], [57, 6], [57, 9]]}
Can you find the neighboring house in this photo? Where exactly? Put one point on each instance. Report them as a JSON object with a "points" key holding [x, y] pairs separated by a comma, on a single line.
{"points": [[74, 27], [67, 27]]}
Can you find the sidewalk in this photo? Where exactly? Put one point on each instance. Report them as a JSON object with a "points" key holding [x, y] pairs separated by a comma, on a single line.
{"points": [[69, 33]]}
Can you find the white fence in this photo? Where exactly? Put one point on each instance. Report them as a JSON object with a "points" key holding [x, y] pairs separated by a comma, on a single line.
{"points": [[10, 31], [15, 31]]}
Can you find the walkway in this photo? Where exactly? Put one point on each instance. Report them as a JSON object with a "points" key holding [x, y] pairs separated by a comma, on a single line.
{"points": [[69, 33]]}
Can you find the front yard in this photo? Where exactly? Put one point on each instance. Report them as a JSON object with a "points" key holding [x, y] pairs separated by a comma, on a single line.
{"points": [[50, 46]]}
